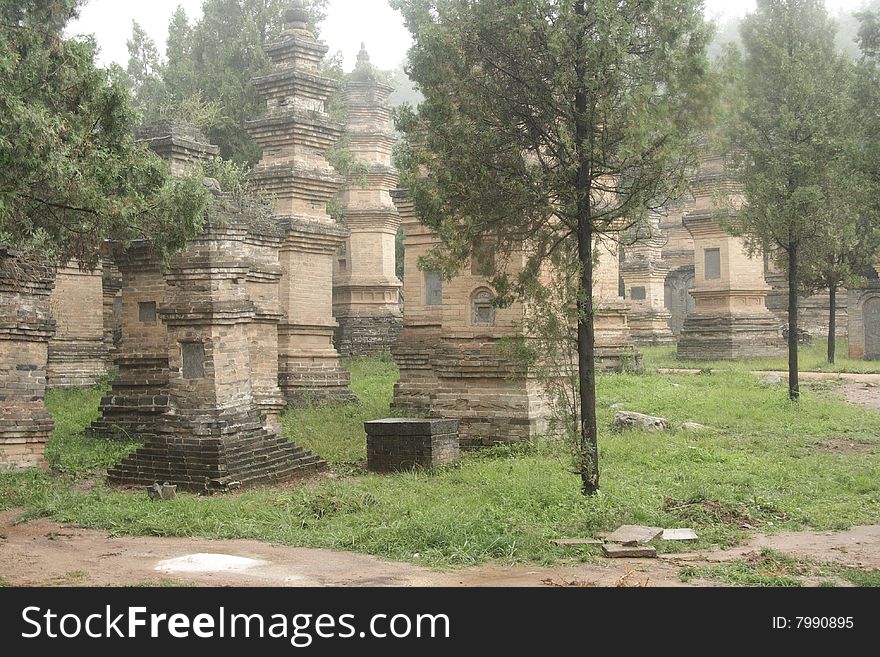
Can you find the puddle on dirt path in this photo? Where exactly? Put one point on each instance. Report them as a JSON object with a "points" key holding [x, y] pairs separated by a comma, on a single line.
{"points": [[208, 563]]}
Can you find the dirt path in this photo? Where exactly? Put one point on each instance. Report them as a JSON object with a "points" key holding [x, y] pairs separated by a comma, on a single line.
{"points": [[864, 394], [46, 553]]}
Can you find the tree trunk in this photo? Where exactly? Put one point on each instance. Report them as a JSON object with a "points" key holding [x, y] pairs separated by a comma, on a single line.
{"points": [[589, 444], [793, 387], [832, 322], [589, 434]]}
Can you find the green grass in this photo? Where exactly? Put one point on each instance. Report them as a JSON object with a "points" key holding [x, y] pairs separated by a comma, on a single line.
{"points": [[331, 431], [763, 464], [772, 568], [811, 358]]}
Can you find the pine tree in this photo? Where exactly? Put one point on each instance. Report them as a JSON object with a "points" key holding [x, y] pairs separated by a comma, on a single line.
{"points": [[547, 125]]}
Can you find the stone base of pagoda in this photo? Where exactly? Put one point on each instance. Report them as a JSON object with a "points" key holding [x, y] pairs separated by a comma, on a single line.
{"points": [[309, 368], [614, 350], [359, 335], [219, 451], [414, 354], [493, 398], [650, 328], [136, 401], [730, 337]]}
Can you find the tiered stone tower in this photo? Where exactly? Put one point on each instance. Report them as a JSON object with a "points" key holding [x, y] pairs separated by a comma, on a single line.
{"points": [[731, 320], [295, 134], [25, 328], [366, 291], [213, 437], [644, 274], [138, 396], [78, 354]]}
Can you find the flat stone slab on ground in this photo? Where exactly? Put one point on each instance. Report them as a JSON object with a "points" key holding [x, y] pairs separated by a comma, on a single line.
{"points": [[679, 535], [634, 534], [613, 551], [566, 542]]}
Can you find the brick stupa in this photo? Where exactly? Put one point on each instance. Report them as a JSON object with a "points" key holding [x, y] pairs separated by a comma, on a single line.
{"points": [[366, 290], [295, 134]]}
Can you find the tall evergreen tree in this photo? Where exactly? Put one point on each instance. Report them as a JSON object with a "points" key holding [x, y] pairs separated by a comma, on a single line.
{"points": [[144, 73], [71, 175], [547, 125], [789, 137]]}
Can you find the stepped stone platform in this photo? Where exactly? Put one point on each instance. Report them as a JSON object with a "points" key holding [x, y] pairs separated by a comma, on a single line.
{"points": [[218, 461]]}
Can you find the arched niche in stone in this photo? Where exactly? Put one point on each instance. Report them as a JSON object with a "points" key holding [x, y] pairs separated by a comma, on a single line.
{"points": [[482, 307]]}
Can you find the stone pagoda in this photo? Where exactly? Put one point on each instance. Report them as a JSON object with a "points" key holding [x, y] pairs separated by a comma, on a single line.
{"points": [[139, 393], [448, 351], [366, 290], [25, 328], [730, 320], [213, 436], [295, 134], [644, 275]]}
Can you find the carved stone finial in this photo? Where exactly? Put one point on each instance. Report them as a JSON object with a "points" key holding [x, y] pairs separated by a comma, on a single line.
{"points": [[297, 16]]}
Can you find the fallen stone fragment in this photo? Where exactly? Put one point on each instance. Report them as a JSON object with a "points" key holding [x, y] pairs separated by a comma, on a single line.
{"points": [[620, 551], [626, 420], [566, 542], [679, 535], [634, 534], [772, 379], [617, 406], [694, 426]]}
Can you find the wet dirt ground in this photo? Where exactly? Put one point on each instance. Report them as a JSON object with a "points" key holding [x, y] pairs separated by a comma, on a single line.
{"points": [[45, 553]]}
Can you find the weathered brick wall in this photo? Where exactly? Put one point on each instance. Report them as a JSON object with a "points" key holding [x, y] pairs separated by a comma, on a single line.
{"points": [[78, 354], [26, 326]]}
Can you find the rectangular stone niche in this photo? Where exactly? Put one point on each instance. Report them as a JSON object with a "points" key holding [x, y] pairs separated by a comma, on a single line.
{"points": [[396, 444]]}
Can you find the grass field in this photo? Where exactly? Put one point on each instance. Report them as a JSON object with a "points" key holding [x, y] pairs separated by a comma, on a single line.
{"points": [[766, 462], [811, 358]]}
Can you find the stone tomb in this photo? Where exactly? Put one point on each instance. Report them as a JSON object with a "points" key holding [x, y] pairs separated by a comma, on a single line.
{"points": [[397, 444], [26, 325], [448, 355], [295, 134], [366, 290]]}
